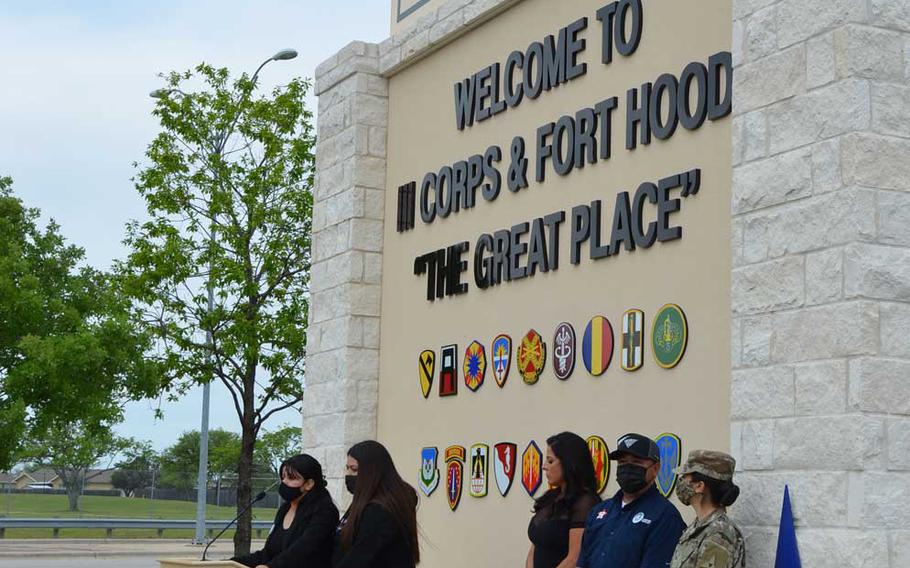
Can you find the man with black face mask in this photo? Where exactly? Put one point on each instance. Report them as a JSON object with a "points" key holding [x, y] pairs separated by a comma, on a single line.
{"points": [[638, 527]]}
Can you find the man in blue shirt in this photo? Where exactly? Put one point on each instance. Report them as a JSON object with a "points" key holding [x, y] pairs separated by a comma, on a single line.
{"points": [[638, 527]]}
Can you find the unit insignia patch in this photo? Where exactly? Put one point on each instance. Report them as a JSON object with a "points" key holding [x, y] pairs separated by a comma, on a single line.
{"points": [[502, 358], [564, 351], [597, 345], [479, 461], [426, 368], [429, 474], [633, 325], [475, 365], [505, 457], [454, 474], [448, 372], [532, 357], [531, 460], [669, 336], [670, 448]]}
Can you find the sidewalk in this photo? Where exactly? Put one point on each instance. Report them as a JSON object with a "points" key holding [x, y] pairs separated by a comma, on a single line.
{"points": [[112, 548]]}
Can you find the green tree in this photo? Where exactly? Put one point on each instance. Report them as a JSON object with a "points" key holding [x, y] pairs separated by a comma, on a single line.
{"points": [[71, 448], [69, 352], [180, 462], [137, 469], [275, 447], [228, 194]]}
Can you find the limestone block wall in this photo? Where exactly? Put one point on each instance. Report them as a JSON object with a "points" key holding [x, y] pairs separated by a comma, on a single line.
{"points": [[342, 375], [821, 256], [821, 278]]}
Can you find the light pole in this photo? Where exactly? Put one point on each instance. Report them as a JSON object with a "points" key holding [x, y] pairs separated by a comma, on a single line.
{"points": [[202, 480]]}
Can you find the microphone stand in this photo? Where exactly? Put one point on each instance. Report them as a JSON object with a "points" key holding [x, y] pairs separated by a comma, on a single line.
{"points": [[255, 500]]}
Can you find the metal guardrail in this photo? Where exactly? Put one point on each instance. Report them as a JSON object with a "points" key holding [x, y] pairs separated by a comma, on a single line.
{"points": [[110, 524]]}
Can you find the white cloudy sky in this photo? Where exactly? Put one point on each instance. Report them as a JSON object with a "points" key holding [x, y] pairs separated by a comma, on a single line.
{"points": [[75, 111]]}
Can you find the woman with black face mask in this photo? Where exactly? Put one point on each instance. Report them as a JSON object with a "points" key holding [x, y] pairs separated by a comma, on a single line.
{"points": [[379, 529], [302, 533]]}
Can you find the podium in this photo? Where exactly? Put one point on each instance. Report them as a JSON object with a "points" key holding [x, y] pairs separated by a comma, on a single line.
{"points": [[182, 562]]}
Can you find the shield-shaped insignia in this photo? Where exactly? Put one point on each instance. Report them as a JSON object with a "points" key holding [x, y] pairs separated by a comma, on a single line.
{"points": [[505, 456], [502, 358], [633, 336], [597, 345], [480, 460], [454, 474], [670, 448], [448, 373], [531, 460], [669, 336], [426, 367], [429, 474], [600, 457], [475, 365], [532, 356], [564, 351]]}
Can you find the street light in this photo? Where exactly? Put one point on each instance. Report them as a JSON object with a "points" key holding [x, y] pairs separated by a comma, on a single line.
{"points": [[202, 480]]}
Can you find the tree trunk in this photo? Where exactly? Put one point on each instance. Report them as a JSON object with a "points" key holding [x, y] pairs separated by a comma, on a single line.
{"points": [[72, 483], [245, 484]]}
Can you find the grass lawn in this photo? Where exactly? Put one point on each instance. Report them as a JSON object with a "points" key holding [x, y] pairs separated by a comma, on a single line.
{"points": [[23, 505]]}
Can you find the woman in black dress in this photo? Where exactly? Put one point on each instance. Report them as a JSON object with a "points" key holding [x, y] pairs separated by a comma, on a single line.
{"points": [[379, 529], [304, 525], [559, 517]]}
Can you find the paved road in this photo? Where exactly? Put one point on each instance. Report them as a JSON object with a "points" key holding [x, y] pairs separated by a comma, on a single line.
{"points": [[80, 562], [113, 553]]}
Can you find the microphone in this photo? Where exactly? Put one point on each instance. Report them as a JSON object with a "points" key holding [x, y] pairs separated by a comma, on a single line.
{"points": [[259, 497]]}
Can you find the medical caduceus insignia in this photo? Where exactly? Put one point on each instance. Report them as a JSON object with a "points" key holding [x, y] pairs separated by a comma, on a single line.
{"points": [[532, 356], [564, 351], [429, 474], [502, 358], [531, 460], [600, 457], [454, 474], [633, 325], [475, 365], [479, 462], [426, 367], [669, 336]]}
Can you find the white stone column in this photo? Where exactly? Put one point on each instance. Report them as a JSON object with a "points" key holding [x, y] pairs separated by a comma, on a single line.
{"points": [[342, 372], [821, 278]]}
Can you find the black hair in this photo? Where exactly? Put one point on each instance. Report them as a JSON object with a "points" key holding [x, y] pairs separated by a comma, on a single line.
{"points": [[379, 482], [721, 493], [577, 470], [306, 467]]}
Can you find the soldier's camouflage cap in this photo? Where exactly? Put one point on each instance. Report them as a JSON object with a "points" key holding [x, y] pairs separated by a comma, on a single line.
{"points": [[710, 463]]}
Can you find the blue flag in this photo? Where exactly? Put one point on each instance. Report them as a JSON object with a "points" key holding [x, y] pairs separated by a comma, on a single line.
{"points": [[787, 551]]}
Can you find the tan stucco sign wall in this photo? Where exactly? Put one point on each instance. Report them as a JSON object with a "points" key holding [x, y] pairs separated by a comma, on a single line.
{"points": [[690, 400]]}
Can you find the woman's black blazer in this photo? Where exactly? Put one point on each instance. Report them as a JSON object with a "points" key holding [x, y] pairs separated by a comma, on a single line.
{"points": [[380, 542], [309, 540]]}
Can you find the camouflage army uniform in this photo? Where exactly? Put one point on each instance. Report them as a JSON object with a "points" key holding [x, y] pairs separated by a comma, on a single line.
{"points": [[714, 542]]}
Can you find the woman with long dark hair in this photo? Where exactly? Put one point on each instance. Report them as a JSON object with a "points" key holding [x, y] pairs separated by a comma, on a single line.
{"points": [[706, 484], [305, 522], [379, 529], [559, 517]]}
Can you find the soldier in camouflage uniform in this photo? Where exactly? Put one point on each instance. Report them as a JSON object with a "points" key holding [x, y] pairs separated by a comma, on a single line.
{"points": [[712, 540]]}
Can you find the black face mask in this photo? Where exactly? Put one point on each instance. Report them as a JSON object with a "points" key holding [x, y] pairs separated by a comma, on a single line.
{"points": [[288, 493], [350, 482], [631, 477]]}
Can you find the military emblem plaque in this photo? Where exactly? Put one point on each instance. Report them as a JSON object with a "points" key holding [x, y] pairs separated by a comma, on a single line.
{"points": [[670, 448], [669, 336], [564, 351], [505, 457]]}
